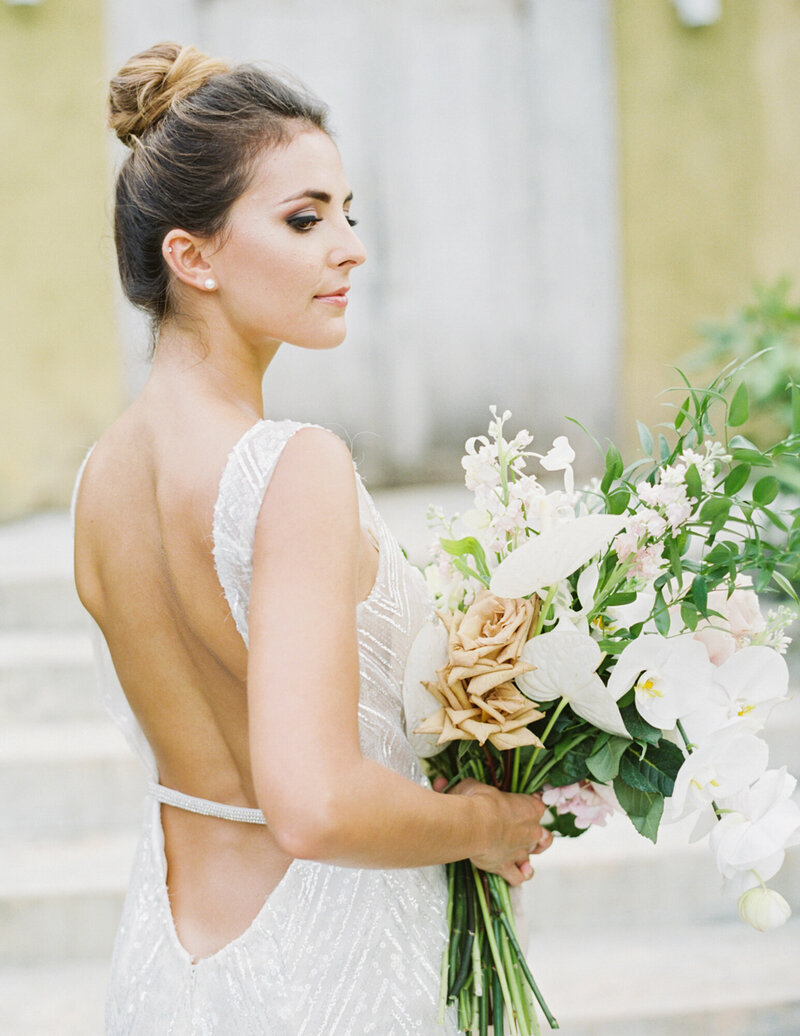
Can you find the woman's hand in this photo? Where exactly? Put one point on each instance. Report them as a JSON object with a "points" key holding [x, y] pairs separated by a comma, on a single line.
{"points": [[519, 834]]}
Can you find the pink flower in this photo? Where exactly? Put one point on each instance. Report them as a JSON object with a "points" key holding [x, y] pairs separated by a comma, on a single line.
{"points": [[582, 800], [647, 562]]}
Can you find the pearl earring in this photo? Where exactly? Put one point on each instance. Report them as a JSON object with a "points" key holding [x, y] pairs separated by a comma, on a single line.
{"points": [[209, 283]]}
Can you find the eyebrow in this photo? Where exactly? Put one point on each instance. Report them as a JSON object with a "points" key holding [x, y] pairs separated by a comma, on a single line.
{"points": [[322, 196]]}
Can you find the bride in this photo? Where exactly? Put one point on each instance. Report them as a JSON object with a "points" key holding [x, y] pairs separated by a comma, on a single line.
{"points": [[257, 610]]}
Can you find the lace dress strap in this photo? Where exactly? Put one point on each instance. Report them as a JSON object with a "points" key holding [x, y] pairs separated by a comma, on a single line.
{"points": [[244, 481]]}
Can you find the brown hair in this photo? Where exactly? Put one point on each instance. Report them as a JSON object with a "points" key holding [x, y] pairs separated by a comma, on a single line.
{"points": [[195, 126]]}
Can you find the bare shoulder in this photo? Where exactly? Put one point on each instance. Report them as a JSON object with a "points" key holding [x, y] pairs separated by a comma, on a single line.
{"points": [[314, 481]]}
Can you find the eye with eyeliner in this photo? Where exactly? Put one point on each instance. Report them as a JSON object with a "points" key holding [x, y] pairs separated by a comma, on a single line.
{"points": [[303, 222]]}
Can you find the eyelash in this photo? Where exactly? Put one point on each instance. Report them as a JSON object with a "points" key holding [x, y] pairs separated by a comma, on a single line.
{"points": [[302, 224]]}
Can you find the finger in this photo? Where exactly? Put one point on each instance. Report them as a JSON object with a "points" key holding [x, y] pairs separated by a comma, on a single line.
{"points": [[439, 783], [544, 842], [513, 875], [540, 806]]}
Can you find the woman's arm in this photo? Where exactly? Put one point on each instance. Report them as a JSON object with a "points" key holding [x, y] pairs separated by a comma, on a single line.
{"points": [[322, 799]]}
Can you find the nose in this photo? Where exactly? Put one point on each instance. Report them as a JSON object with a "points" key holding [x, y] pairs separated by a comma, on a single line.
{"points": [[348, 251]]}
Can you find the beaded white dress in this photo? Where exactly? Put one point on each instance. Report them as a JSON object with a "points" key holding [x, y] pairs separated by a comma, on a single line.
{"points": [[335, 951]]}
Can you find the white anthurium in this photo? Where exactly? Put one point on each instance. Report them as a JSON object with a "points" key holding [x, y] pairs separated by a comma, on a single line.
{"points": [[728, 761], [759, 824], [671, 677], [565, 661], [428, 653], [546, 559]]}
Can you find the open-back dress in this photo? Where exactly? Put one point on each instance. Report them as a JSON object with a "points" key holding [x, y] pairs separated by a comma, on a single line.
{"points": [[334, 951]]}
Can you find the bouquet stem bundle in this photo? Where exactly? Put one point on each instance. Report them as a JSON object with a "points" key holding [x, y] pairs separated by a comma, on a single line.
{"points": [[484, 968]]}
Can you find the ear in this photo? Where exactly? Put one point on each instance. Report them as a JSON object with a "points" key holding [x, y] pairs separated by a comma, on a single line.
{"points": [[183, 254]]}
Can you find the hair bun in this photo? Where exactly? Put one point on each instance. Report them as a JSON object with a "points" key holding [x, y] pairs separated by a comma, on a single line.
{"points": [[150, 83]]}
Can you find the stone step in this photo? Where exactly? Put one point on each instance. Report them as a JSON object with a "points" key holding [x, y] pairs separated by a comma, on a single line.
{"points": [[63, 999], [40, 603], [47, 675], [612, 876], [722, 980], [62, 899], [713, 980], [65, 779], [65, 895]]}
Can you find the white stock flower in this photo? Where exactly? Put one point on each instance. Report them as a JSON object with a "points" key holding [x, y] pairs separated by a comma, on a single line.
{"points": [[725, 763], [670, 677], [759, 824], [546, 559], [764, 908], [565, 661], [560, 458]]}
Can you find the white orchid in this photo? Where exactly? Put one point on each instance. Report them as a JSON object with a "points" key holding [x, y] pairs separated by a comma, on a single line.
{"points": [[761, 822], [764, 908], [551, 556], [748, 685], [671, 677], [565, 661], [727, 762]]}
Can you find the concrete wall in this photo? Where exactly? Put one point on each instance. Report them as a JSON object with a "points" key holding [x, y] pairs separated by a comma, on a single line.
{"points": [[710, 173], [59, 357], [479, 138]]}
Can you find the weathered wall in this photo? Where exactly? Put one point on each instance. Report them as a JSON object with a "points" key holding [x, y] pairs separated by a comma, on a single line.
{"points": [[709, 171], [59, 359]]}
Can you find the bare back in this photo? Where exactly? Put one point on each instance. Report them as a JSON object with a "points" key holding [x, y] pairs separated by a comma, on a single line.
{"points": [[145, 571]]}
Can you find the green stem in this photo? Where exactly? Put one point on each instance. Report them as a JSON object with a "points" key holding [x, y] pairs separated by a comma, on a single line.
{"points": [[505, 915], [689, 750], [556, 713], [545, 608], [496, 956]]}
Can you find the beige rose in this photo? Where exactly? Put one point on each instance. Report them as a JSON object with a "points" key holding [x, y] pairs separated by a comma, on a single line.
{"points": [[476, 688]]}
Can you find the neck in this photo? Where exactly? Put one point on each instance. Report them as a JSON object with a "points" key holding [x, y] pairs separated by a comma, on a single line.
{"points": [[232, 373]]}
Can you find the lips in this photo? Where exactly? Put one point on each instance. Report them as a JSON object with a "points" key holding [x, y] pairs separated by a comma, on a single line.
{"points": [[334, 298]]}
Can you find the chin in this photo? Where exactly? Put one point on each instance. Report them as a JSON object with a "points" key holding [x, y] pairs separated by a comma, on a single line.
{"points": [[322, 342]]}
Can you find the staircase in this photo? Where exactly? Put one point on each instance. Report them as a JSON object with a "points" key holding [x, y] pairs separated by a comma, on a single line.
{"points": [[626, 939]]}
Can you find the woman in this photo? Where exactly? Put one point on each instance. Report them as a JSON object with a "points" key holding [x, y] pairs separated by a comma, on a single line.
{"points": [[257, 610]]}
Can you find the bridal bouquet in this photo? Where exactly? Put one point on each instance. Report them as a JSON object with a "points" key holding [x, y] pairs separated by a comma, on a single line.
{"points": [[607, 647]]}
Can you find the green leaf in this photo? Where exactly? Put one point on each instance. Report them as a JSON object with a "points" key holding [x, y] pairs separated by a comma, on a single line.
{"points": [[739, 409], [644, 808], [603, 764], [713, 507], [754, 457], [661, 615], [786, 586], [700, 594], [663, 449], [645, 438], [614, 468], [655, 771], [683, 412], [737, 478], [639, 729], [693, 483], [618, 500], [689, 615], [565, 825], [765, 490], [468, 545], [795, 409]]}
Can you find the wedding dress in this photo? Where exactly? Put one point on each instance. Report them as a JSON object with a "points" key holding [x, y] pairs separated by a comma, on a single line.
{"points": [[335, 951]]}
